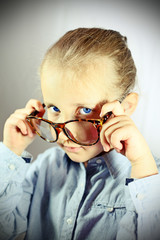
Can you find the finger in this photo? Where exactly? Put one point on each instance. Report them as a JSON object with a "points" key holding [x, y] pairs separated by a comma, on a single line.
{"points": [[109, 127], [114, 107], [118, 136], [18, 124], [18, 120], [122, 120], [35, 104], [104, 142], [121, 138], [112, 141], [24, 111]]}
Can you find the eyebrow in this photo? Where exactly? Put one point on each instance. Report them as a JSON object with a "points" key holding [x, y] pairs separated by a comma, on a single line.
{"points": [[89, 105], [93, 105], [48, 105]]}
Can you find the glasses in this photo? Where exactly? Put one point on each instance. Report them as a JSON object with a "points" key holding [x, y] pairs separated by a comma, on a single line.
{"points": [[84, 132]]}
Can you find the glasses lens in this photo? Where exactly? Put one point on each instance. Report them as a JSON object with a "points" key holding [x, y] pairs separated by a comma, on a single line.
{"points": [[44, 129], [83, 132]]}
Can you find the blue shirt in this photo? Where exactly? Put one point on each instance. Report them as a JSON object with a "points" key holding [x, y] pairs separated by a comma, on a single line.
{"points": [[56, 198]]}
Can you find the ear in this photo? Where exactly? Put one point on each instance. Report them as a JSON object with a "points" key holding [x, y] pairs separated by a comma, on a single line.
{"points": [[129, 104]]}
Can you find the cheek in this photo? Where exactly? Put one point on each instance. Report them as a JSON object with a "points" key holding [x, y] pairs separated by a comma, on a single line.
{"points": [[94, 150], [91, 152], [99, 146]]}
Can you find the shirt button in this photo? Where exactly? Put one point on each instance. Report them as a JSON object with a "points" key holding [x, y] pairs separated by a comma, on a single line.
{"points": [[110, 209], [98, 161], [12, 167], [140, 196], [69, 221]]}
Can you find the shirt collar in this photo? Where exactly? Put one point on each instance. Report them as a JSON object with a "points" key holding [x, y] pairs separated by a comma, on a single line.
{"points": [[117, 164]]}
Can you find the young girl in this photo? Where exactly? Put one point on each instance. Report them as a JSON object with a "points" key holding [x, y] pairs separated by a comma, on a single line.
{"points": [[102, 181]]}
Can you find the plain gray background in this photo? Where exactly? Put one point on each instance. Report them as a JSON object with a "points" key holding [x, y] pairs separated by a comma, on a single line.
{"points": [[29, 28]]}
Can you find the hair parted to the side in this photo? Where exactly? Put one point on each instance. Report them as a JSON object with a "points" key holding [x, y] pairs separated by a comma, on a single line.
{"points": [[78, 46]]}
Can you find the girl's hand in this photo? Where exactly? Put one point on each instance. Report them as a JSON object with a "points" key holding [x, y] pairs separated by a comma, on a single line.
{"points": [[120, 133], [17, 133]]}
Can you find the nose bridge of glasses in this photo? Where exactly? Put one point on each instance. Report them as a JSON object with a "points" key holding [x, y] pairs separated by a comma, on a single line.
{"points": [[60, 128], [67, 131], [58, 125]]}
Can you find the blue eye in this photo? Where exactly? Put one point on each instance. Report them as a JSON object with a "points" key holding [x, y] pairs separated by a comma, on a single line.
{"points": [[54, 109], [85, 110]]}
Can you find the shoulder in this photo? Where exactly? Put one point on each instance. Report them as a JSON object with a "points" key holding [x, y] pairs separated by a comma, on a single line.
{"points": [[52, 153], [53, 158]]}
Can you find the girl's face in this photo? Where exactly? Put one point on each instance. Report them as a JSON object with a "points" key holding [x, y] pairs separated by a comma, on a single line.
{"points": [[70, 96]]}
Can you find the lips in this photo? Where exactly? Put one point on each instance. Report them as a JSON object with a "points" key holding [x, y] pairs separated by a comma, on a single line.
{"points": [[71, 149]]}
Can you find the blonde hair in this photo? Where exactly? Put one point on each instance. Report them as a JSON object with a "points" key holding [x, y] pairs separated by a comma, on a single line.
{"points": [[83, 45]]}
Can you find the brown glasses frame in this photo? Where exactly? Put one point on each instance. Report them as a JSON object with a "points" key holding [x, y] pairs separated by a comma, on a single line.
{"points": [[61, 126]]}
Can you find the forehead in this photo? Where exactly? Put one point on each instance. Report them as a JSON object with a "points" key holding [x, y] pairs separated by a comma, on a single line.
{"points": [[87, 85]]}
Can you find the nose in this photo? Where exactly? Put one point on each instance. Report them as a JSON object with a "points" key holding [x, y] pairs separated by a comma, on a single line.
{"points": [[61, 136]]}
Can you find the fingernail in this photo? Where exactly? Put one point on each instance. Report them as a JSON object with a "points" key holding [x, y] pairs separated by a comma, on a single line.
{"points": [[25, 132], [106, 148]]}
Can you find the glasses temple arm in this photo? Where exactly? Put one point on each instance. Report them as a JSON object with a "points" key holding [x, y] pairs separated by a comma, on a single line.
{"points": [[105, 117], [34, 113]]}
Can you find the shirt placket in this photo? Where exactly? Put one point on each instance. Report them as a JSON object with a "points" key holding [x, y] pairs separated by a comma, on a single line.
{"points": [[73, 208]]}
